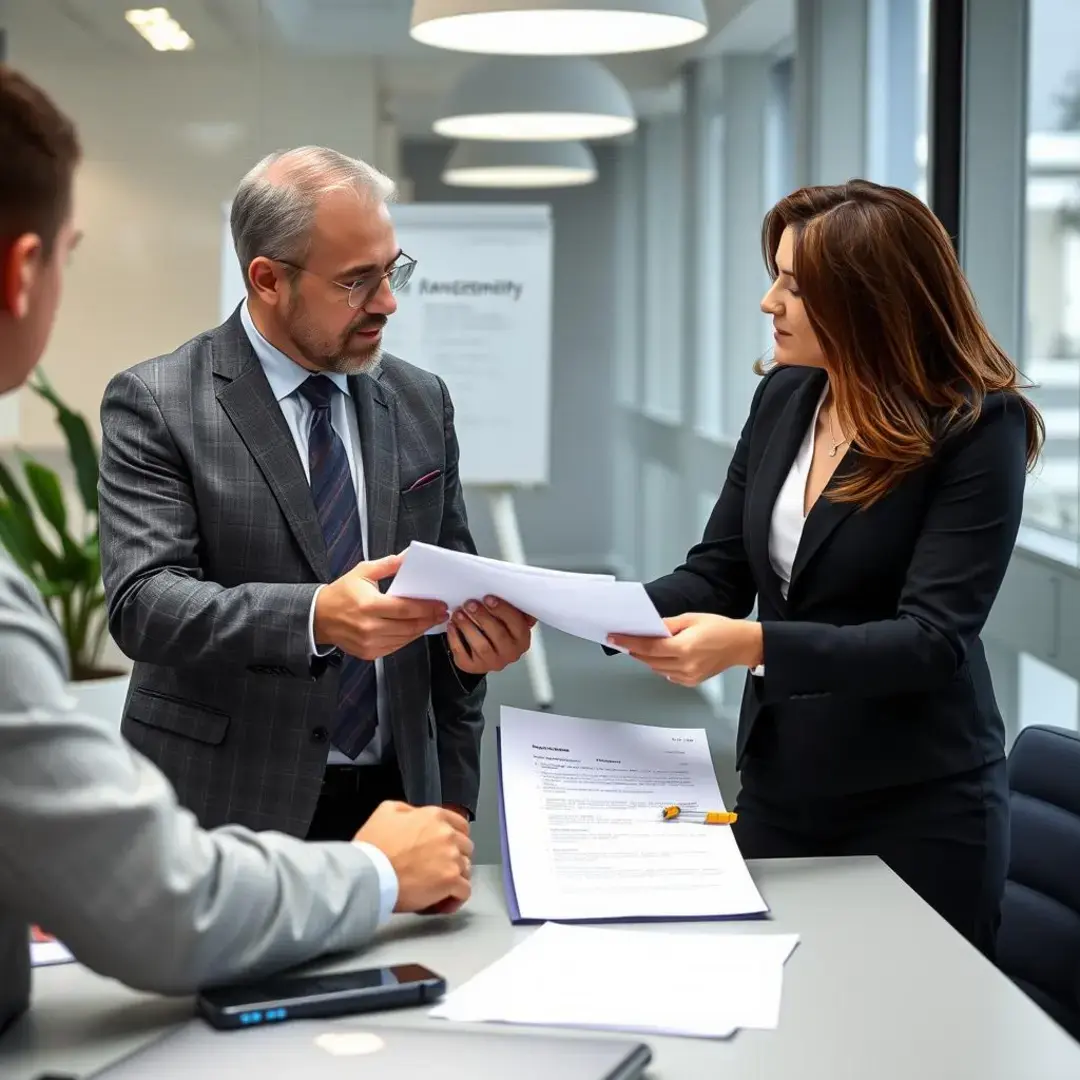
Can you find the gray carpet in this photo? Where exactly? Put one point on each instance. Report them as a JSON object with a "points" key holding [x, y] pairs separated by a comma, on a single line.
{"points": [[588, 683]]}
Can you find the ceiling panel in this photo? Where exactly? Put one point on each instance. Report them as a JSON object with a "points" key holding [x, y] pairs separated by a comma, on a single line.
{"points": [[355, 27]]}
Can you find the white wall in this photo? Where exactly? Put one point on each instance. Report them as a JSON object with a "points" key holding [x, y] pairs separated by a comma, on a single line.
{"points": [[166, 139]]}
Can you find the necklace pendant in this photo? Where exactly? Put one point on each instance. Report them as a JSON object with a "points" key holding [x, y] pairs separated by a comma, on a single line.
{"points": [[832, 452]]}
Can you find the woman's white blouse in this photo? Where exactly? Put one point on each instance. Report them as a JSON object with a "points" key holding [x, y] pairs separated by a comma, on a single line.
{"points": [[788, 519]]}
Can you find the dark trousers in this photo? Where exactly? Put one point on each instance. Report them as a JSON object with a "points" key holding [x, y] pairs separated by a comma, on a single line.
{"points": [[350, 793], [948, 839]]}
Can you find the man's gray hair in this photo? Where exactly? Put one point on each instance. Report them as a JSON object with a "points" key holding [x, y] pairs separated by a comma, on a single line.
{"points": [[274, 206]]}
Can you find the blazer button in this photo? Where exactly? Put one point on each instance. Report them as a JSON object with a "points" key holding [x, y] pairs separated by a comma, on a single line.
{"points": [[319, 734]]}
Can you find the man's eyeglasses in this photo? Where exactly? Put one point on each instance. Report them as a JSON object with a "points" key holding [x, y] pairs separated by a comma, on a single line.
{"points": [[364, 288]]}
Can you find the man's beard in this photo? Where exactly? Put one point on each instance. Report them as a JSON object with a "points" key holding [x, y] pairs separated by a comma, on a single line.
{"points": [[349, 355]]}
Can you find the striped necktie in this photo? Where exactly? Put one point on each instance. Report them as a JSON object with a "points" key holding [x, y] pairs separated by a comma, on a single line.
{"points": [[339, 516]]}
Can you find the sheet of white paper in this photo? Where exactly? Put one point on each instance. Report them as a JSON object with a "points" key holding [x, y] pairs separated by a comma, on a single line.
{"points": [[582, 800], [589, 606], [650, 981], [46, 953]]}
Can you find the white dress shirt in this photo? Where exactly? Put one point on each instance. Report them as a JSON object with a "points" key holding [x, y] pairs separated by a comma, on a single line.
{"points": [[285, 377], [788, 518]]}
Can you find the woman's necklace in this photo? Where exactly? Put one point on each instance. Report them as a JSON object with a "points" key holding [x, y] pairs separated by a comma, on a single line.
{"points": [[836, 443]]}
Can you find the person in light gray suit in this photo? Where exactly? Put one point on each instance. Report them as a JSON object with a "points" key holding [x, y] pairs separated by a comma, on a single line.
{"points": [[93, 845], [257, 487]]}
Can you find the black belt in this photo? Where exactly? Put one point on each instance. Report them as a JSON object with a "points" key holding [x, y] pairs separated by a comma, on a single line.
{"points": [[357, 777]]}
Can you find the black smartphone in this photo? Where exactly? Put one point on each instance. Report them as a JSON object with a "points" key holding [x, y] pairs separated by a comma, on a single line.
{"points": [[289, 997]]}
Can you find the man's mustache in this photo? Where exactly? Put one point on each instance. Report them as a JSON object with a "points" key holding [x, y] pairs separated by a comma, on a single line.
{"points": [[376, 322]]}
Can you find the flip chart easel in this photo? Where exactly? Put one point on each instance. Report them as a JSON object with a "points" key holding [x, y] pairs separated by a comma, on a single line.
{"points": [[508, 535]]}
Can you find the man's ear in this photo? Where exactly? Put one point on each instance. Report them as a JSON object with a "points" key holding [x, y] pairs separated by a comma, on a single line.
{"points": [[264, 277], [22, 262]]}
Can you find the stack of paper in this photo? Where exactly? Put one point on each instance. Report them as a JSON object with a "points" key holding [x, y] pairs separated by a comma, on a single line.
{"points": [[45, 950], [583, 834], [589, 606], [650, 981]]}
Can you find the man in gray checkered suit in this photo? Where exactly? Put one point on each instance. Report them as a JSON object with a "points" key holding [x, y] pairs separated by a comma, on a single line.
{"points": [[256, 487]]}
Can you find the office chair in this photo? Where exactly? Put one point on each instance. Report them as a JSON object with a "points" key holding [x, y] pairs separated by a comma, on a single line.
{"points": [[1038, 943]]}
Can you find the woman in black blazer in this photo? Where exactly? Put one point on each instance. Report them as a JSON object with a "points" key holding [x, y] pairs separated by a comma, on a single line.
{"points": [[870, 510]]}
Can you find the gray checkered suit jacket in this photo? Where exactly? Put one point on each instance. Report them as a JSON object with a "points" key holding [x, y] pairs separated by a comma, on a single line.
{"points": [[211, 553]]}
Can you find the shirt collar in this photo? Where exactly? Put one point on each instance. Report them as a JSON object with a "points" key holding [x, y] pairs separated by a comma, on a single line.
{"points": [[283, 373]]}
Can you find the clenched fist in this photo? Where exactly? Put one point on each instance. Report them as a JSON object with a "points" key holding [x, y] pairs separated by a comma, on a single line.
{"points": [[430, 851]]}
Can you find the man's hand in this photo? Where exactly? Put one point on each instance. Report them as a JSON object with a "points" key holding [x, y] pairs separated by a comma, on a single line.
{"points": [[353, 615], [430, 851], [700, 646], [489, 636]]}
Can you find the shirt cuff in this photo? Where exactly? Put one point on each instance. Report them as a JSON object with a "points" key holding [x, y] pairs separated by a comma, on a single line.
{"points": [[759, 671], [314, 649], [388, 882]]}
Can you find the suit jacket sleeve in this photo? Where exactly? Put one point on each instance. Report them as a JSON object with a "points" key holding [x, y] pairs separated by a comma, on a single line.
{"points": [[957, 567], [161, 610], [716, 577], [94, 848], [457, 698]]}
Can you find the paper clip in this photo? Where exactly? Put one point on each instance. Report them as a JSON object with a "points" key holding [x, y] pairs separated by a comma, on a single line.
{"points": [[700, 817]]}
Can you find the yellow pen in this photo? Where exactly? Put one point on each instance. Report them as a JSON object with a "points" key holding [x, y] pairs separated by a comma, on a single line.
{"points": [[700, 817]]}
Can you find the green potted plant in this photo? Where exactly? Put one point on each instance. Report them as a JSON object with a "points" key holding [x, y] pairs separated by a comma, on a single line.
{"points": [[61, 556]]}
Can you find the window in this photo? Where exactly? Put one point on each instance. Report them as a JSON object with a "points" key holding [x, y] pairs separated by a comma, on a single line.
{"points": [[1051, 331], [898, 66], [664, 542], [662, 215], [708, 418], [1047, 696]]}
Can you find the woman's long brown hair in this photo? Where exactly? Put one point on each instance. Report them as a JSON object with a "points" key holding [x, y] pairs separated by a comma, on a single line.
{"points": [[909, 357]]}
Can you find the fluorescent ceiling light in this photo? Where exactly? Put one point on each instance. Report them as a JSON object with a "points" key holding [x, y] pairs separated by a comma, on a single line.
{"points": [[159, 29], [558, 27], [520, 165], [527, 99]]}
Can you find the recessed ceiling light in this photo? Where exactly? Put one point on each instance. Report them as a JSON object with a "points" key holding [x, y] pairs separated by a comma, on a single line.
{"points": [[558, 27], [159, 29]]}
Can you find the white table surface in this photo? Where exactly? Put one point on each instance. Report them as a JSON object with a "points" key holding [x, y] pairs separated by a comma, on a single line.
{"points": [[879, 988]]}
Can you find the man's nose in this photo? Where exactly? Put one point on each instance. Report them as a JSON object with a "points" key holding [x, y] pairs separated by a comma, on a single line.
{"points": [[383, 301]]}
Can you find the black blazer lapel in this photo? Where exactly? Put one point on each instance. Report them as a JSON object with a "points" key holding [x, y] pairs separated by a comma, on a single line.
{"points": [[247, 399], [781, 445], [824, 518], [377, 416]]}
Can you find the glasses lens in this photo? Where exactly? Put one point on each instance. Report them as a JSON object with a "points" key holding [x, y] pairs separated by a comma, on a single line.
{"points": [[399, 276]]}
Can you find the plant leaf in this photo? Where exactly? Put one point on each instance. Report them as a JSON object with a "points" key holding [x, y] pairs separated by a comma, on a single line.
{"points": [[13, 538], [10, 488], [81, 447], [26, 545], [45, 485]]}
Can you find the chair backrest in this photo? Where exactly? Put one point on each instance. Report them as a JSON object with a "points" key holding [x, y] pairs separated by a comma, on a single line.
{"points": [[1039, 940]]}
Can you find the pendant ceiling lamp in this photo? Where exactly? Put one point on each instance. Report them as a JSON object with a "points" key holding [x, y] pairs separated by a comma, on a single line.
{"points": [[524, 99], [558, 27], [520, 165]]}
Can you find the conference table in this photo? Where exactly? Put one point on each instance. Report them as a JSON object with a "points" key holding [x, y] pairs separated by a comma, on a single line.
{"points": [[879, 986]]}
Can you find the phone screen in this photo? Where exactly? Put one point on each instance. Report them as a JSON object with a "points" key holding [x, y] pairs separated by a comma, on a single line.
{"points": [[283, 989]]}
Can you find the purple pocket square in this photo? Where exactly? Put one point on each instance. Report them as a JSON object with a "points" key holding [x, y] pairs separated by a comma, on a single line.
{"points": [[427, 478]]}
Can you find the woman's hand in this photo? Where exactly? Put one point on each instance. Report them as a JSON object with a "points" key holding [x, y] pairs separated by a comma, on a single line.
{"points": [[700, 647]]}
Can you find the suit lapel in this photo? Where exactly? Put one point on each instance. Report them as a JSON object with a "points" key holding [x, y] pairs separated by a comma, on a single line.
{"points": [[781, 446], [824, 518], [377, 417], [248, 401]]}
